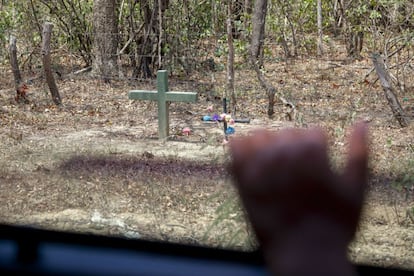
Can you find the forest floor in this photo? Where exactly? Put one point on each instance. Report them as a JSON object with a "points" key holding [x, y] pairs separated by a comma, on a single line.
{"points": [[95, 165]]}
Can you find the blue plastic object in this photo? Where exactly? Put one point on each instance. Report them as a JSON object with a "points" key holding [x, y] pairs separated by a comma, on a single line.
{"points": [[230, 130]]}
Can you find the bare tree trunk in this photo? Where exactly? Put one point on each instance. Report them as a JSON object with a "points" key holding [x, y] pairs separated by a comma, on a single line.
{"points": [[20, 86], [247, 10], [230, 57], [150, 50], [119, 50], [287, 10], [214, 17], [355, 40], [105, 24], [145, 52], [248, 6], [256, 48], [14, 62], [351, 28], [259, 20], [320, 32], [47, 33], [160, 34], [337, 16], [389, 90], [256, 59]]}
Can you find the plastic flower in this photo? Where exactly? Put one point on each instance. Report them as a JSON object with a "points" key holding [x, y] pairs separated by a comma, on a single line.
{"points": [[216, 117], [186, 131]]}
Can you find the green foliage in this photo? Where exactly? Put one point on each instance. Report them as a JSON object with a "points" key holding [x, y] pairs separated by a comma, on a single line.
{"points": [[196, 30], [290, 23], [7, 22], [380, 19], [187, 24], [10, 19], [73, 19], [240, 47]]}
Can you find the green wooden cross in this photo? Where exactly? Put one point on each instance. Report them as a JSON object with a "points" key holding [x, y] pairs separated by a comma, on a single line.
{"points": [[163, 96]]}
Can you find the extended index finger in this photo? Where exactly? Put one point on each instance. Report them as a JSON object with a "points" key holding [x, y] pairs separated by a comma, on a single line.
{"points": [[356, 170]]}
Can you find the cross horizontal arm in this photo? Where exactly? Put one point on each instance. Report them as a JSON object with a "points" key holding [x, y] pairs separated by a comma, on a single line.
{"points": [[169, 96], [181, 97], [143, 95]]}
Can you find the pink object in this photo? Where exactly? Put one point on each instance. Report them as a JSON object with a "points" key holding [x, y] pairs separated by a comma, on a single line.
{"points": [[231, 122], [210, 108], [186, 131]]}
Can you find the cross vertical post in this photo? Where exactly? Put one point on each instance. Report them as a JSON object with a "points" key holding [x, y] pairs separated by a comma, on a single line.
{"points": [[162, 87]]}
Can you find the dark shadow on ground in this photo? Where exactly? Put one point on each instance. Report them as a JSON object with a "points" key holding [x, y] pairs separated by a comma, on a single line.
{"points": [[147, 164]]}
